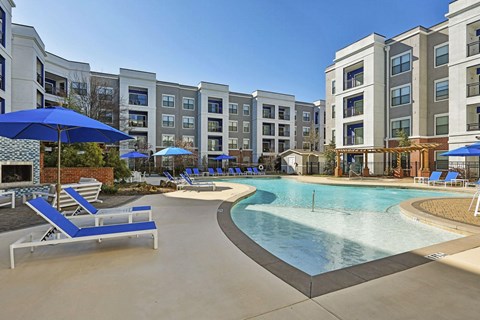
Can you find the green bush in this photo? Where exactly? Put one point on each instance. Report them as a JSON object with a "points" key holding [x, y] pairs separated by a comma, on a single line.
{"points": [[120, 168], [106, 189]]}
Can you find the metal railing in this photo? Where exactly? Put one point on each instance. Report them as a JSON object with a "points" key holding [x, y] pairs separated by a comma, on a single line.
{"points": [[354, 82], [283, 116], [473, 126], [352, 111], [268, 114], [473, 89], [473, 48], [352, 140], [138, 123]]}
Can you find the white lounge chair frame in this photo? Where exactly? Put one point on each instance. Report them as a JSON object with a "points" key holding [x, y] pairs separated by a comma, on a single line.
{"points": [[89, 191], [11, 195]]}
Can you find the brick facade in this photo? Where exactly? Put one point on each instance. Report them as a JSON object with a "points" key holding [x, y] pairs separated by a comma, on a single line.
{"points": [[73, 175]]}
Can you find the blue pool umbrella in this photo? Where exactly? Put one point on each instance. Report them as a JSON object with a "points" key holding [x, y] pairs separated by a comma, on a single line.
{"points": [[172, 151], [224, 157], [133, 155], [466, 151], [57, 124]]}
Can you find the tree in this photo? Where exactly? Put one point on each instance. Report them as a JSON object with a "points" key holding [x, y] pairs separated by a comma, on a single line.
{"points": [[330, 156], [77, 155], [120, 169], [312, 138]]}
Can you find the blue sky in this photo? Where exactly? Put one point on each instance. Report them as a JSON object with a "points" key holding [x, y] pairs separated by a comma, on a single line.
{"points": [[275, 45]]}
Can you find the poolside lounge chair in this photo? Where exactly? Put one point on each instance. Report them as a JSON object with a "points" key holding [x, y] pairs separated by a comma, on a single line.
{"points": [[189, 171], [435, 175], [211, 172], [451, 176], [239, 172], [231, 172], [63, 230], [7, 199], [257, 172], [196, 172], [220, 172], [101, 214], [197, 185], [178, 182], [250, 171]]}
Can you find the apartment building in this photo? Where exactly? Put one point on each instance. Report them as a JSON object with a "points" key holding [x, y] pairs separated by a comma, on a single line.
{"points": [[379, 87], [158, 114]]}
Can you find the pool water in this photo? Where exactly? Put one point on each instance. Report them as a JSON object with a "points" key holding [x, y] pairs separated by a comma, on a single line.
{"points": [[350, 225]]}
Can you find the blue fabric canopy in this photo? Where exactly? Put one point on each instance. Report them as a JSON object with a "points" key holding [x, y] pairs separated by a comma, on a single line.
{"points": [[224, 157], [133, 154], [172, 151], [466, 151]]}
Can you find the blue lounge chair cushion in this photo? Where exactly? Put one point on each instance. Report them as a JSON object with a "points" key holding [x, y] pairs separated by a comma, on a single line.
{"points": [[189, 171], [195, 171], [81, 200], [118, 228], [210, 171], [142, 208], [230, 170], [435, 176], [237, 170], [255, 170], [219, 171]]}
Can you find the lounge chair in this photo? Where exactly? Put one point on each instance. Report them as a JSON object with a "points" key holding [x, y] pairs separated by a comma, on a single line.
{"points": [[170, 178], [189, 171], [101, 214], [231, 172], [476, 194], [197, 185], [7, 199], [196, 172], [239, 172], [63, 230], [255, 170], [250, 171], [211, 172], [434, 176], [220, 172], [448, 179]]}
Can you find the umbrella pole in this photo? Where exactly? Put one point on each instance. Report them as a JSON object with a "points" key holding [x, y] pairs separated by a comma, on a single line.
{"points": [[58, 168], [173, 165]]}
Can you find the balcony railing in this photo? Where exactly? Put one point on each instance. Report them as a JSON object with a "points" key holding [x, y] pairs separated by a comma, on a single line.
{"points": [[268, 114], [54, 91], [473, 48], [352, 111], [282, 148], [352, 140], [40, 78], [284, 133], [473, 89], [354, 82], [267, 132], [138, 123], [268, 148], [283, 116], [473, 126], [212, 147]]}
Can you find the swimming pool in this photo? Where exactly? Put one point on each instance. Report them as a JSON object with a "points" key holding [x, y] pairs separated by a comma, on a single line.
{"points": [[349, 226]]}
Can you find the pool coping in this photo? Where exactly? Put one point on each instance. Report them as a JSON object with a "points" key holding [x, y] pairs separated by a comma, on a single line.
{"points": [[314, 286]]}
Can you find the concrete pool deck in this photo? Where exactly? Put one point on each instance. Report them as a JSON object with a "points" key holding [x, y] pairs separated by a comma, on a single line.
{"points": [[198, 273]]}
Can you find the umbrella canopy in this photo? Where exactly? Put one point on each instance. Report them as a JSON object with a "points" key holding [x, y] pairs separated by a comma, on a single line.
{"points": [[466, 151], [172, 151], [57, 124], [133, 154], [224, 157]]}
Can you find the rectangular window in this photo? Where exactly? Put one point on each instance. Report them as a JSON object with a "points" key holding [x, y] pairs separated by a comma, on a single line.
{"points": [[232, 143], [246, 127], [215, 106], [400, 125], [138, 96], [441, 125], [441, 162], [232, 126], [39, 72], [188, 123], [401, 96], [246, 144], [105, 93], [168, 140], [306, 116], [168, 101], [138, 119], [189, 141], [441, 90], [333, 111], [233, 108], [306, 131], [2, 106], [3, 30], [333, 87], [441, 55], [401, 64], [246, 109], [188, 104], [168, 121], [79, 88], [333, 135], [39, 100]]}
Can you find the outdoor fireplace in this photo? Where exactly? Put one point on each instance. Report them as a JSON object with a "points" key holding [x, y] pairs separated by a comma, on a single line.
{"points": [[16, 173]]}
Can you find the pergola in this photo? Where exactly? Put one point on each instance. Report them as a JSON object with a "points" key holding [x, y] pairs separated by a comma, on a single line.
{"points": [[422, 147]]}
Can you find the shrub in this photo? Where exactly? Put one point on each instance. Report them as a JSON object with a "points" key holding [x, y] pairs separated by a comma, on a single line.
{"points": [[106, 189]]}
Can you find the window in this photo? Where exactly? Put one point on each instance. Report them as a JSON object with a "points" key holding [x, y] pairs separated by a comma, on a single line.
{"points": [[138, 119], [233, 108], [232, 143], [138, 96], [306, 131], [400, 125], [79, 88], [401, 96], [168, 121], [441, 162], [233, 126], [305, 145], [246, 127], [189, 140], [441, 124], [2, 106], [306, 116], [333, 135], [3, 30], [401, 63], [246, 109], [441, 55], [107, 116], [188, 104], [140, 140], [333, 87], [215, 106], [441, 90], [168, 140], [246, 144], [188, 123], [39, 100], [168, 101], [333, 111], [105, 93], [39, 72]]}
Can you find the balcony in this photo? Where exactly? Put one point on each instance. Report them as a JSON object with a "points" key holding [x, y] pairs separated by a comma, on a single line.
{"points": [[40, 78], [215, 106], [356, 81], [473, 126], [215, 145], [352, 111], [473, 89], [283, 146], [283, 133], [473, 48], [268, 111], [268, 146], [352, 140], [215, 126], [353, 76], [283, 116], [137, 123]]}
